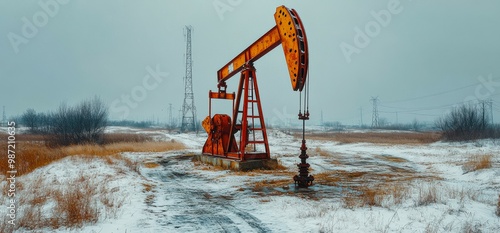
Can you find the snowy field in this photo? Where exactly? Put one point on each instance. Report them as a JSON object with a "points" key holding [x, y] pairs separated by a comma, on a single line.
{"points": [[359, 187]]}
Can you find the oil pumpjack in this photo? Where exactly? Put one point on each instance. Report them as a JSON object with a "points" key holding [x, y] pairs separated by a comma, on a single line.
{"points": [[247, 121]]}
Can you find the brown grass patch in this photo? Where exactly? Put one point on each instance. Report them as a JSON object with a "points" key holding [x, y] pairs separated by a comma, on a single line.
{"points": [[375, 137], [34, 154], [73, 206], [30, 156], [125, 137], [151, 165], [477, 162], [362, 188], [391, 158], [327, 154], [382, 195], [148, 187], [259, 172], [270, 184], [91, 149]]}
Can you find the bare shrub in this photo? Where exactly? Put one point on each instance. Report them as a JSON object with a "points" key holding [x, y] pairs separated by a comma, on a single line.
{"points": [[30, 119], [464, 123], [82, 124]]}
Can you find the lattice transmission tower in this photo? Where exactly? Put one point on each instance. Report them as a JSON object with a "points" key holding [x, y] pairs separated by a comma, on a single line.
{"points": [[375, 123], [188, 108]]}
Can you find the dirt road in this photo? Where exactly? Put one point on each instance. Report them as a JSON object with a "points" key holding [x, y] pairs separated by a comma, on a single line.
{"points": [[186, 202]]}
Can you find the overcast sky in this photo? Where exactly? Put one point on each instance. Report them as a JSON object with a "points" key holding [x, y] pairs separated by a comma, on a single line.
{"points": [[419, 57]]}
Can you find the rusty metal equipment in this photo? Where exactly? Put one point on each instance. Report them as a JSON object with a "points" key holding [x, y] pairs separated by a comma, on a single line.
{"points": [[243, 136]]}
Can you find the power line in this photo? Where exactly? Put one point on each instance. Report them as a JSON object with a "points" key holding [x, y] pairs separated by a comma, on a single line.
{"points": [[432, 95], [170, 116], [410, 113], [429, 108]]}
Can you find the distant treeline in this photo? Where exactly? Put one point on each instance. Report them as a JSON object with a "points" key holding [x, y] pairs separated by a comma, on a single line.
{"points": [[129, 123], [79, 124]]}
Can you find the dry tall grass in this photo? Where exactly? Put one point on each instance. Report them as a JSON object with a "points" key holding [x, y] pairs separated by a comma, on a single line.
{"points": [[71, 206], [32, 154], [375, 137], [81, 201], [477, 162], [427, 194], [363, 188]]}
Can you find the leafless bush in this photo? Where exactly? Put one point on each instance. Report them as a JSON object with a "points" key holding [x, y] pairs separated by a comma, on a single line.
{"points": [[30, 119], [464, 123], [82, 124]]}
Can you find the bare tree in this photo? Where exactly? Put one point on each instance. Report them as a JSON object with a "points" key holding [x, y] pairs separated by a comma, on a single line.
{"points": [[82, 124], [463, 123], [30, 120]]}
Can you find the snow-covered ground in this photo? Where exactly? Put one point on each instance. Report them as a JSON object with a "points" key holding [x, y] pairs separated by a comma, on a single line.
{"points": [[182, 196]]}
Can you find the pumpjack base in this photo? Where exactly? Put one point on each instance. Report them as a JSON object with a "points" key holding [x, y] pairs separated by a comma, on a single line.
{"points": [[236, 165]]}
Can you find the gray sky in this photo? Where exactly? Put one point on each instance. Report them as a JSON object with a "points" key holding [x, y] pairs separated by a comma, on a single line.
{"points": [[419, 57]]}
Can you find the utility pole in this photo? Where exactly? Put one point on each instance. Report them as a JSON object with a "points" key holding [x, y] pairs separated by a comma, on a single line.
{"points": [[188, 108], [4, 117], [170, 119], [375, 123], [483, 109], [321, 123], [491, 111], [487, 111], [361, 117]]}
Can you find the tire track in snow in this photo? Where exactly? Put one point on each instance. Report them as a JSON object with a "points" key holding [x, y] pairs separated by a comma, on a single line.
{"points": [[182, 205]]}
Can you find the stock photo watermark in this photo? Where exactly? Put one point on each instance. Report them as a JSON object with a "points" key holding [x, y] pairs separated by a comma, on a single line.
{"points": [[31, 26], [224, 6], [11, 173], [282, 118], [372, 29], [484, 90], [139, 93]]}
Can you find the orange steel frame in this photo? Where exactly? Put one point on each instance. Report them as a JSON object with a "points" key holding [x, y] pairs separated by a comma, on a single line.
{"points": [[290, 33]]}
